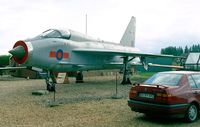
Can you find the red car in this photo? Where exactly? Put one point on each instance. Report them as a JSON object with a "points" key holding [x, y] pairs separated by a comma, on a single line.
{"points": [[173, 93]]}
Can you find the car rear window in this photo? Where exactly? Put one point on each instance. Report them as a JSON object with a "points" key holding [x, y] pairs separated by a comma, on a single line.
{"points": [[169, 79]]}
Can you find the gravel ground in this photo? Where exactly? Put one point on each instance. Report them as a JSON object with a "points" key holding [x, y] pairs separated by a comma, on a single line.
{"points": [[89, 104], [20, 108]]}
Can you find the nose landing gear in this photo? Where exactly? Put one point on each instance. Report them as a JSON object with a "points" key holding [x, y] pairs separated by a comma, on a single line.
{"points": [[51, 82]]}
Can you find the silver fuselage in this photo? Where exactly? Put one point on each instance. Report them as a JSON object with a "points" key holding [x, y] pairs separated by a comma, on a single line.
{"points": [[39, 55]]}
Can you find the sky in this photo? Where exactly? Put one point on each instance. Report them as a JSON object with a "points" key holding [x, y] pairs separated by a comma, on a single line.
{"points": [[159, 23]]}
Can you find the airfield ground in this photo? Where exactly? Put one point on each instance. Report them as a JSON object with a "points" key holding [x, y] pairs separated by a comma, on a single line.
{"points": [[80, 105]]}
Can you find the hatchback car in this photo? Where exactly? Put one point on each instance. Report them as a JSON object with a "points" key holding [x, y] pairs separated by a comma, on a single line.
{"points": [[173, 93]]}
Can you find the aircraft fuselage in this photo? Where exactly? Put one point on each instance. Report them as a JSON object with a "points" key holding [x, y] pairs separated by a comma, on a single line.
{"points": [[57, 55]]}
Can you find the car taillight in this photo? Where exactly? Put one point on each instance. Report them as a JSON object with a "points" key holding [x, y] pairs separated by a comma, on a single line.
{"points": [[163, 96], [132, 93]]}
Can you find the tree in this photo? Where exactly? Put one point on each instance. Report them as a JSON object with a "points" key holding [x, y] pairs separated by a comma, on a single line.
{"points": [[178, 51]]}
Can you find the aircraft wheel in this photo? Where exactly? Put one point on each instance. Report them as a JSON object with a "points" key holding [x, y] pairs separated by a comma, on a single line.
{"points": [[79, 77], [50, 87]]}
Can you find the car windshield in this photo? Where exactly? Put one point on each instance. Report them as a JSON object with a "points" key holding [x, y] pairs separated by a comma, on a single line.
{"points": [[169, 79]]}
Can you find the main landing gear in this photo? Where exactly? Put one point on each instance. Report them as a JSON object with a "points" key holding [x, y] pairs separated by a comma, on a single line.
{"points": [[126, 72], [79, 77]]}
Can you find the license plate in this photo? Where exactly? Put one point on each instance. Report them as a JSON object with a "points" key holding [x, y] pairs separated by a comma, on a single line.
{"points": [[146, 95]]}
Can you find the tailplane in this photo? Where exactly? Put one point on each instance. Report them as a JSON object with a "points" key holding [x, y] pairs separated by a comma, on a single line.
{"points": [[128, 39]]}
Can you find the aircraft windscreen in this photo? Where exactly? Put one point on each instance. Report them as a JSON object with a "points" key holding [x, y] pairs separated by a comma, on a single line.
{"points": [[51, 34]]}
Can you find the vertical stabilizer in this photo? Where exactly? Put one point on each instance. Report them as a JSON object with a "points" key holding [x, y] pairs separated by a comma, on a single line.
{"points": [[128, 39]]}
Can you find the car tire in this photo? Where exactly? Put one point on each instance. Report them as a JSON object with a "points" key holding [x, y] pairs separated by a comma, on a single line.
{"points": [[192, 113]]}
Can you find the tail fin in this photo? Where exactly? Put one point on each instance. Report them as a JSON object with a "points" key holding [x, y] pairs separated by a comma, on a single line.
{"points": [[128, 39]]}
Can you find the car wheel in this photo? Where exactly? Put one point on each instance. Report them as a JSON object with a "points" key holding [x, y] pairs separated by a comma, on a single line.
{"points": [[192, 113]]}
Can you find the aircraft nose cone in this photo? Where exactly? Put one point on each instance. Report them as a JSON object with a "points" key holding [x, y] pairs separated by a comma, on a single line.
{"points": [[18, 52]]}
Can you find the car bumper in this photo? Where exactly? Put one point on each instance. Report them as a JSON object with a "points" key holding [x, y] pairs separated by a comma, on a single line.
{"points": [[146, 107]]}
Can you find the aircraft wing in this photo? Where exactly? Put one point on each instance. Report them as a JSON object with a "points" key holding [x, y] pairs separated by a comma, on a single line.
{"points": [[123, 54]]}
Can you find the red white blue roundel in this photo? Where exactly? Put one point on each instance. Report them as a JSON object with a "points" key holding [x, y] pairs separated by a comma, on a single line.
{"points": [[59, 54]]}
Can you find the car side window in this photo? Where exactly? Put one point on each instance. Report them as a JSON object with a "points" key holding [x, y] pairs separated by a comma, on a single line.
{"points": [[196, 78], [191, 82]]}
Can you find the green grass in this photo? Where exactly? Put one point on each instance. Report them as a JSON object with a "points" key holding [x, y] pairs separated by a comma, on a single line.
{"points": [[141, 76]]}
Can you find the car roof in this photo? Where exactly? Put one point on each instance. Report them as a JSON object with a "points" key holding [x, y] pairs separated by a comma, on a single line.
{"points": [[181, 72]]}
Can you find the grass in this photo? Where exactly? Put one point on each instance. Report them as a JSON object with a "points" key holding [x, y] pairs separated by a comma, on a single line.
{"points": [[88, 104], [141, 76]]}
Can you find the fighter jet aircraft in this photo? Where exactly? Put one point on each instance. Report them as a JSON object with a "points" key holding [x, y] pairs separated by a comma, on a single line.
{"points": [[67, 50]]}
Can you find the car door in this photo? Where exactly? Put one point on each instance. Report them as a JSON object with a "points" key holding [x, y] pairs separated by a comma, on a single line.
{"points": [[194, 81]]}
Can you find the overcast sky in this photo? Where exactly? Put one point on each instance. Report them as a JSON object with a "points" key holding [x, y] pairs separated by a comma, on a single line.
{"points": [[159, 23]]}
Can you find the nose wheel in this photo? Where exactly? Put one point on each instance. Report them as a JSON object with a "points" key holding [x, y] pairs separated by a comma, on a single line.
{"points": [[51, 87], [51, 82]]}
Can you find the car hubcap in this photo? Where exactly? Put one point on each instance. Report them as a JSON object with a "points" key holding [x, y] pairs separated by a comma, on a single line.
{"points": [[192, 112]]}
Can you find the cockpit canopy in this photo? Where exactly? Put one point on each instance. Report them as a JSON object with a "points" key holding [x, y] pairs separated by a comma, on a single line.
{"points": [[54, 33], [65, 34]]}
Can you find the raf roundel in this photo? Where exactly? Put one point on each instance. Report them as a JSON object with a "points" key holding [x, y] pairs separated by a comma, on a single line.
{"points": [[59, 54]]}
